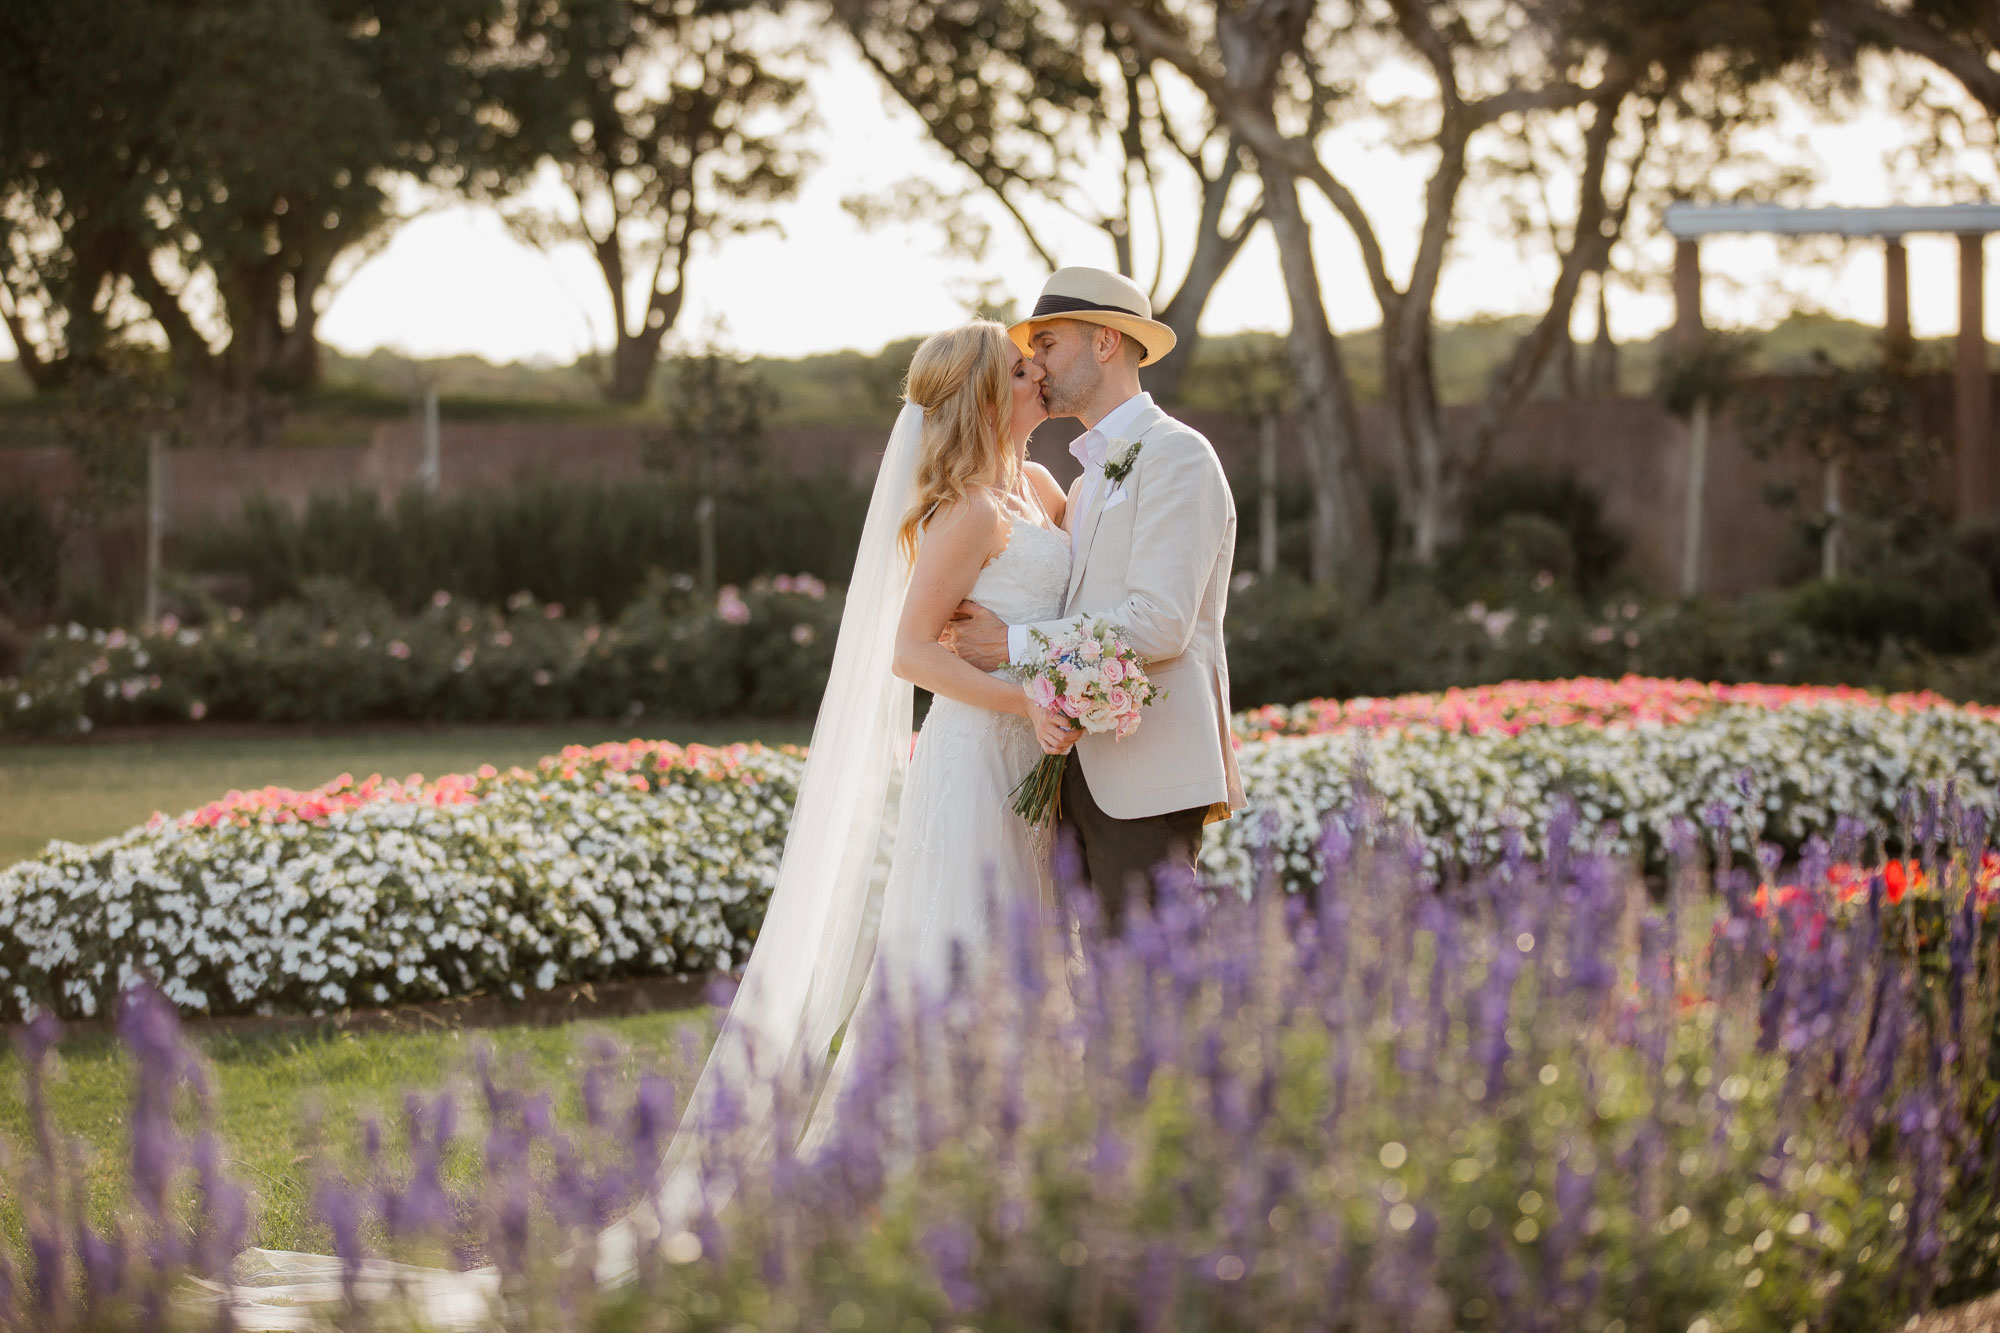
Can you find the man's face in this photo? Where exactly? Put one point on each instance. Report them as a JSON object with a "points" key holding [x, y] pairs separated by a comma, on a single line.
{"points": [[1071, 373]]}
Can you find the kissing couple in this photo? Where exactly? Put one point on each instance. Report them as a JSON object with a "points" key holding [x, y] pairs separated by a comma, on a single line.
{"points": [[972, 559]]}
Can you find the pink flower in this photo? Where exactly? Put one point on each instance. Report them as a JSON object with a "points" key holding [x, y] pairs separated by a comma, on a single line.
{"points": [[802, 634], [1118, 701], [1112, 670], [1068, 707], [1127, 725], [1043, 691], [729, 604], [440, 599], [399, 650], [553, 611], [197, 711]]}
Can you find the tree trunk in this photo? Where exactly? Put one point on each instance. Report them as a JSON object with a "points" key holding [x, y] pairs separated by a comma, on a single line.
{"points": [[1427, 475], [1214, 251], [1602, 375], [1343, 531], [632, 363]]}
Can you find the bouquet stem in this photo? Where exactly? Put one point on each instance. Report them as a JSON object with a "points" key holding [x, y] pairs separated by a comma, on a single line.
{"points": [[1038, 797]]}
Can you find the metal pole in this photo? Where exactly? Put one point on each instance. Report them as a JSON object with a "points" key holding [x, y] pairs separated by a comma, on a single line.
{"points": [[156, 523], [432, 472], [1974, 391], [1697, 498], [1267, 494]]}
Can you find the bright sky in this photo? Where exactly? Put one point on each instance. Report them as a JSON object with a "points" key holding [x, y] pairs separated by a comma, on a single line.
{"points": [[455, 280]]}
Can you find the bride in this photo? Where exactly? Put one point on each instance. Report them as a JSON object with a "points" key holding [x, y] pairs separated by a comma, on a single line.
{"points": [[896, 853]]}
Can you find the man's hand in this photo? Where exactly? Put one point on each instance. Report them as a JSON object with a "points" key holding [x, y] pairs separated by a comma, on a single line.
{"points": [[977, 636]]}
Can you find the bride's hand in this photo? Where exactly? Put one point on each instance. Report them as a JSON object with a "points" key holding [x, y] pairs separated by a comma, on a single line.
{"points": [[1055, 733]]}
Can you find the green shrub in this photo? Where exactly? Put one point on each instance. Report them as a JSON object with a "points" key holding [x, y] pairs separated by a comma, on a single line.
{"points": [[579, 543], [30, 556], [1944, 616]]}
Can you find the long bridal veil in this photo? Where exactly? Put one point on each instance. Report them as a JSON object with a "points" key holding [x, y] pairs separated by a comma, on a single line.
{"points": [[803, 977], [817, 941]]}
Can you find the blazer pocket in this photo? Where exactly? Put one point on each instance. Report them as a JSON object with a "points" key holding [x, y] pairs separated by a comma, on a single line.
{"points": [[1118, 497]]}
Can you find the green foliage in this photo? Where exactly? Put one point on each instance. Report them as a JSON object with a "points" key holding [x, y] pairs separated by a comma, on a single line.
{"points": [[1524, 522], [1871, 612], [1712, 369], [340, 654], [213, 159], [672, 120], [1288, 641], [30, 558], [580, 543]]}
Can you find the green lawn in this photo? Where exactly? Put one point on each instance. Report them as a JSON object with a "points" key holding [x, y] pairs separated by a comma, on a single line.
{"points": [[271, 1088], [85, 790]]}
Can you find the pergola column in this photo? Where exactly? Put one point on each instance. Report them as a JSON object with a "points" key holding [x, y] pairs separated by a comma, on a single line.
{"points": [[1687, 292], [1974, 393], [1897, 343]]}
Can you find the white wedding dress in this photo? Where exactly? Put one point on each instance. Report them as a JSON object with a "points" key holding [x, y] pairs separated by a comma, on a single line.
{"points": [[958, 838], [896, 859]]}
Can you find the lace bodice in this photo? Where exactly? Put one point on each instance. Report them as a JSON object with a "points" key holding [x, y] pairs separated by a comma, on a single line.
{"points": [[1030, 579]]}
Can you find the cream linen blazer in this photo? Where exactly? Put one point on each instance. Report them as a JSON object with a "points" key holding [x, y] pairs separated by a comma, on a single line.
{"points": [[1154, 557]]}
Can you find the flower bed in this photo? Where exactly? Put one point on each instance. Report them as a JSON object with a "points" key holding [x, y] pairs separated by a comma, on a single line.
{"points": [[646, 858], [632, 858], [1779, 766]]}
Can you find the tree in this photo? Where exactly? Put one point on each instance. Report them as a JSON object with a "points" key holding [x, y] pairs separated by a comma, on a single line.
{"points": [[1280, 73], [1019, 94], [1960, 37], [1859, 428], [667, 121], [195, 169], [716, 410]]}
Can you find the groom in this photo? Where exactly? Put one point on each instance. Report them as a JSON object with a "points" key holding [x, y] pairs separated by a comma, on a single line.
{"points": [[1152, 532]]}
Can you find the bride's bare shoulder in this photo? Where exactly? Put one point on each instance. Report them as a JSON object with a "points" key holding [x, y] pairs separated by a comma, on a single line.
{"points": [[975, 521], [1048, 489]]}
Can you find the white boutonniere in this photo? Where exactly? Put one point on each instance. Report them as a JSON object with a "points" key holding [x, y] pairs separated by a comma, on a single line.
{"points": [[1119, 458]]}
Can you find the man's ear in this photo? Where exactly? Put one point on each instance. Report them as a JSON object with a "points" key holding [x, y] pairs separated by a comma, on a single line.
{"points": [[1107, 344]]}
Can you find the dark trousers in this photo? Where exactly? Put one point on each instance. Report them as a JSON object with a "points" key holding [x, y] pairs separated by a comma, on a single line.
{"points": [[1122, 857]]}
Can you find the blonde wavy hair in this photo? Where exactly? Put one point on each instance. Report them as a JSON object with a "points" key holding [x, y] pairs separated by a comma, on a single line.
{"points": [[960, 379]]}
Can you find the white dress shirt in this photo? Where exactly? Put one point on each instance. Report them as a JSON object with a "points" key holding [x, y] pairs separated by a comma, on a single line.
{"points": [[1091, 449]]}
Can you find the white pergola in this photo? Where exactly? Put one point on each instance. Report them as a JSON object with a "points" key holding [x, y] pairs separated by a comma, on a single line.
{"points": [[1971, 223]]}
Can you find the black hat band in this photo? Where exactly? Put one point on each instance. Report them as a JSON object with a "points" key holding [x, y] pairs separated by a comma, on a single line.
{"points": [[1069, 305]]}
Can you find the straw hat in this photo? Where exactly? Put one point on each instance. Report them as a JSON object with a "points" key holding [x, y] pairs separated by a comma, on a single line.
{"points": [[1097, 296]]}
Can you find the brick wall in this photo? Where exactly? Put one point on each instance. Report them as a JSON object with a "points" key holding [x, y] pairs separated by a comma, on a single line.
{"points": [[1627, 448]]}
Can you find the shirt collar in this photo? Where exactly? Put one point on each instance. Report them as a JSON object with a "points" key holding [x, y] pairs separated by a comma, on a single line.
{"points": [[1093, 446]]}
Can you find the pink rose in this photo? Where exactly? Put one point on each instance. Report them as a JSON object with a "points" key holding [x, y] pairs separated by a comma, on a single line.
{"points": [[1127, 725], [1117, 700], [1068, 707], [1090, 651], [1042, 691], [1112, 670]]}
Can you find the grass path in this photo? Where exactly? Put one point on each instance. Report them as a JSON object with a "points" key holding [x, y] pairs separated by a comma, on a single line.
{"points": [[273, 1090], [86, 790]]}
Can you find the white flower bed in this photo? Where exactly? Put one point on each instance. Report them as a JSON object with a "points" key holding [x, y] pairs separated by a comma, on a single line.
{"points": [[543, 879], [643, 859], [1784, 773]]}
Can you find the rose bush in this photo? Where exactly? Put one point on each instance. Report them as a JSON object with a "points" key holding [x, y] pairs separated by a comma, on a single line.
{"points": [[644, 857], [344, 655]]}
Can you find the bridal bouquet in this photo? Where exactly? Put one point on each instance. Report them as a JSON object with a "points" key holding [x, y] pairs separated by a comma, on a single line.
{"points": [[1092, 676]]}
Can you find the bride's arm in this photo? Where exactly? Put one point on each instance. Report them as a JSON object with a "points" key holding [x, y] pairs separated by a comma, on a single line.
{"points": [[959, 541]]}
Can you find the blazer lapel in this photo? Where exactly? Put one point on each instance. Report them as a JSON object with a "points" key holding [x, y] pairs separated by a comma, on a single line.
{"points": [[1142, 426]]}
